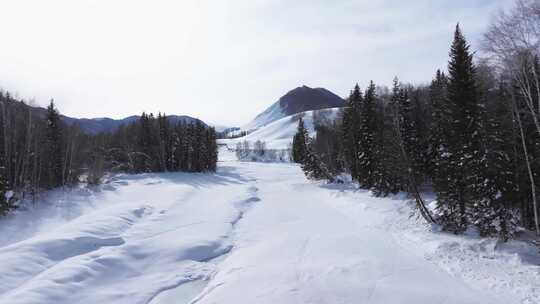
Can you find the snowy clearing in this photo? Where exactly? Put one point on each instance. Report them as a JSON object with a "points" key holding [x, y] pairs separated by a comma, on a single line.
{"points": [[251, 233]]}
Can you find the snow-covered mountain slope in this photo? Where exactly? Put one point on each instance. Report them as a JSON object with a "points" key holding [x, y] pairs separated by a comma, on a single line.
{"points": [[279, 134], [234, 237], [299, 100]]}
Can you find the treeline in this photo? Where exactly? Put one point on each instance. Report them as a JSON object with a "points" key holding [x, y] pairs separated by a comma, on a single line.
{"points": [[260, 153], [40, 152], [35, 152], [153, 144], [472, 136]]}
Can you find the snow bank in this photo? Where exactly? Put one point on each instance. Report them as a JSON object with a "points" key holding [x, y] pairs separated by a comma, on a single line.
{"points": [[251, 233], [313, 243], [147, 235]]}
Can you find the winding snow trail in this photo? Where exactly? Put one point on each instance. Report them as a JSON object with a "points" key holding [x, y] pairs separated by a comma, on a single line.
{"points": [[251, 233]]}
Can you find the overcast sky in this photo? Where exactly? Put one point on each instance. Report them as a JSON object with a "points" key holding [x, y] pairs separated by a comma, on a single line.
{"points": [[223, 61]]}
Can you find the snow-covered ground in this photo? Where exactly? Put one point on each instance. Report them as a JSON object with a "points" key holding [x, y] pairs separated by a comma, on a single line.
{"points": [[251, 233]]}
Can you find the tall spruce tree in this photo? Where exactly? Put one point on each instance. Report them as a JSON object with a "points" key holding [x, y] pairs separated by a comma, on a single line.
{"points": [[198, 147], [383, 175], [493, 216], [5, 199], [396, 155], [327, 144], [311, 164], [350, 129], [366, 153], [464, 158], [53, 145], [439, 124], [143, 158], [5, 204], [438, 153], [314, 168], [212, 149], [299, 147], [417, 137], [164, 143]]}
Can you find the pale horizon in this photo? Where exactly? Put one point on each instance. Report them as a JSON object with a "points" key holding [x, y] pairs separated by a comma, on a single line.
{"points": [[221, 61]]}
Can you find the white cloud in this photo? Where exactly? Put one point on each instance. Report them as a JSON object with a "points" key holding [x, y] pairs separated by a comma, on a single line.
{"points": [[223, 61]]}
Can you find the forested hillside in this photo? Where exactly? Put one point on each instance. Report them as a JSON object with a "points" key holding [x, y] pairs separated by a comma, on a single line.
{"points": [[471, 136], [420, 187], [42, 153]]}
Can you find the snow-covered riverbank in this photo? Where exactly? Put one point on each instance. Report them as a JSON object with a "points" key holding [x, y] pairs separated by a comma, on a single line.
{"points": [[251, 233]]}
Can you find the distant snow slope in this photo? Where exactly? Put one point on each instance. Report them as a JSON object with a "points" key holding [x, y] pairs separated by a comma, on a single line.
{"points": [[279, 134], [298, 100], [251, 233], [269, 115]]}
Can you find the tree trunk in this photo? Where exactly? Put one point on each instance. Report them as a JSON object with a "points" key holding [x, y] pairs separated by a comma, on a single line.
{"points": [[411, 180], [527, 162]]}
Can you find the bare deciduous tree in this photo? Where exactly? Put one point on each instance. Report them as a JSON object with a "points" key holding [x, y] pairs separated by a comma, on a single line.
{"points": [[513, 42]]}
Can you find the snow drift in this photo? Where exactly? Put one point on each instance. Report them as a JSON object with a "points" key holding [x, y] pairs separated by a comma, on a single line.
{"points": [[251, 233]]}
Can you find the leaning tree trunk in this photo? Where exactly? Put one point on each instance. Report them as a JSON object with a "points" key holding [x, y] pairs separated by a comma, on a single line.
{"points": [[527, 86], [411, 180], [528, 164]]}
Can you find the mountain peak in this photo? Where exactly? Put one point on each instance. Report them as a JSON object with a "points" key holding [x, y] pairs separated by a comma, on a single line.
{"points": [[305, 98], [298, 100]]}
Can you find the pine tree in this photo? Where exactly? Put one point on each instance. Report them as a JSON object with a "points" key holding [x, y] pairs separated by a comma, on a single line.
{"points": [[312, 165], [212, 149], [327, 144], [383, 175], [366, 152], [198, 147], [350, 129], [5, 201], [144, 156], [407, 128], [439, 125], [494, 215], [299, 148], [175, 149], [438, 153], [53, 147], [393, 160], [164, 142], [191, 156], [180, 147], [414, 132], [465, 156]]}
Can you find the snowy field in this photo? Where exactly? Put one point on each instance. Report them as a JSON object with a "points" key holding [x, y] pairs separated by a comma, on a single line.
{"points": [[251, 233]]}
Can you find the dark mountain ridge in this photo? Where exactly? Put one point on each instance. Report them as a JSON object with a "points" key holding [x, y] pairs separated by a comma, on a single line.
{"points": [[305, 98], [99, 125], [296, 101]]}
